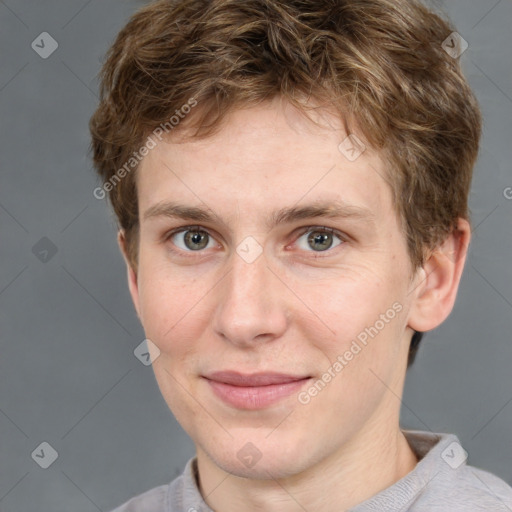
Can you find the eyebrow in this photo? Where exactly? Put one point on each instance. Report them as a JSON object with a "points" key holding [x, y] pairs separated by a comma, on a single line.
{"points": [[332, 210]]}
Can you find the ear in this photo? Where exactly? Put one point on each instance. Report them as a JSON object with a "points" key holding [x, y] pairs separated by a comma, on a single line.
{"points": [[436, 283], [131, 273]]}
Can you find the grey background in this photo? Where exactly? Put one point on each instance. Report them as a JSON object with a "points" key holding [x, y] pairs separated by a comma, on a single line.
{"points": [[68, 375]]}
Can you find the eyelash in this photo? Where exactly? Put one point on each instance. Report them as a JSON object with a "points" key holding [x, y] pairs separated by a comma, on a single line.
{"points": [[306, 229]]}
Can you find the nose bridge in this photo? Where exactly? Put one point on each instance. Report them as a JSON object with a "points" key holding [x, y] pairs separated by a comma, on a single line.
{"points": [[249, 306], [247, 279]]}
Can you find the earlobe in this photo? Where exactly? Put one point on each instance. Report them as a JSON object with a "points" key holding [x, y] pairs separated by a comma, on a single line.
{"points": [[435, 288], [131, 273]]}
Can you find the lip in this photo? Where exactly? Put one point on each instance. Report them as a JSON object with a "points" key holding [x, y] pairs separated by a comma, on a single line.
{"points": [[256, 390], [253, 379]]}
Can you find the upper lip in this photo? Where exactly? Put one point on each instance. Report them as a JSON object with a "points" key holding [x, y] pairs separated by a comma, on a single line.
{"points": [[254, 379]]}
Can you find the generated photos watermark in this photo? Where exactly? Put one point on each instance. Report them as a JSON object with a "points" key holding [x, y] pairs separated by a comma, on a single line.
{"points": [[357, 345], [151, 143]]}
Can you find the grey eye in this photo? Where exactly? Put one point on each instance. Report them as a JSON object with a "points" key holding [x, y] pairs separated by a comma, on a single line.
{"points": [[191, 239], [319, 240]]}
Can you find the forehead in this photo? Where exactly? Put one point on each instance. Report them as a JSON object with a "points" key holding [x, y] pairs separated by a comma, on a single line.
{"points": [[263, 159]]}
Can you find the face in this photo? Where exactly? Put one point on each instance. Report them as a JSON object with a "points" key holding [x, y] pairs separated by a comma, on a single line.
{"points": [[274, 279]]}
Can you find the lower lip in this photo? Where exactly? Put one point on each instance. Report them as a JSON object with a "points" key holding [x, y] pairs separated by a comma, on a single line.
{"points": [[255, 397]]}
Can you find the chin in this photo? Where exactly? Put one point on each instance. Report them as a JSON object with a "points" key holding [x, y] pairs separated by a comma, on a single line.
{"points": [[257, 457]]}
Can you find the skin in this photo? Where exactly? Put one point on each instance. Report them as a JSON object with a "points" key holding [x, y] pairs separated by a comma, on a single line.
{"points": [[294, 309]]}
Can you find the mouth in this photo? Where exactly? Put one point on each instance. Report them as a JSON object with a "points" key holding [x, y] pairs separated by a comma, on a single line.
{"points": [[254, 391]]}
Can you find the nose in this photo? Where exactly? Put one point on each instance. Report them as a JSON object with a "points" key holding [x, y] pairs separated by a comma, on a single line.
{"points": [[251, 304]]}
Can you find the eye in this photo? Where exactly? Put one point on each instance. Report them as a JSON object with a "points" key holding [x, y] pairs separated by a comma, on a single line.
{"points": [[311, 239], [191, 238], [319, 239]]}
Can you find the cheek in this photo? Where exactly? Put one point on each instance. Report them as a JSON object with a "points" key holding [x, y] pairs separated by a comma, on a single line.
{"points": [[172, 307], [356, 364], [346, 298], [359, 318]]}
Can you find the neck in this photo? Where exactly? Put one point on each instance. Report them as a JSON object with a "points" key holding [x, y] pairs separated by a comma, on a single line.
{"points": [[361, 468]]}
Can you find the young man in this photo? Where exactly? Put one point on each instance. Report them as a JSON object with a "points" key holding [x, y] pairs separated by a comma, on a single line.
{"points": [[291, 183]]}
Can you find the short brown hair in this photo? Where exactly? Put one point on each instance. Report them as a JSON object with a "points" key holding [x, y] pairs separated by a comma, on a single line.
{"points": [[378, 62]]}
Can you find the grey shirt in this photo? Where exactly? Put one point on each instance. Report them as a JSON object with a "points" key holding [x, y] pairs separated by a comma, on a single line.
{"points": [[440, 482]]}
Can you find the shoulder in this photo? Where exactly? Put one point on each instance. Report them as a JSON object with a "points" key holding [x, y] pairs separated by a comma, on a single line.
{"points": [[442, 481], [149, 501], [181, 494], [471, 489], [450, 484]]}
